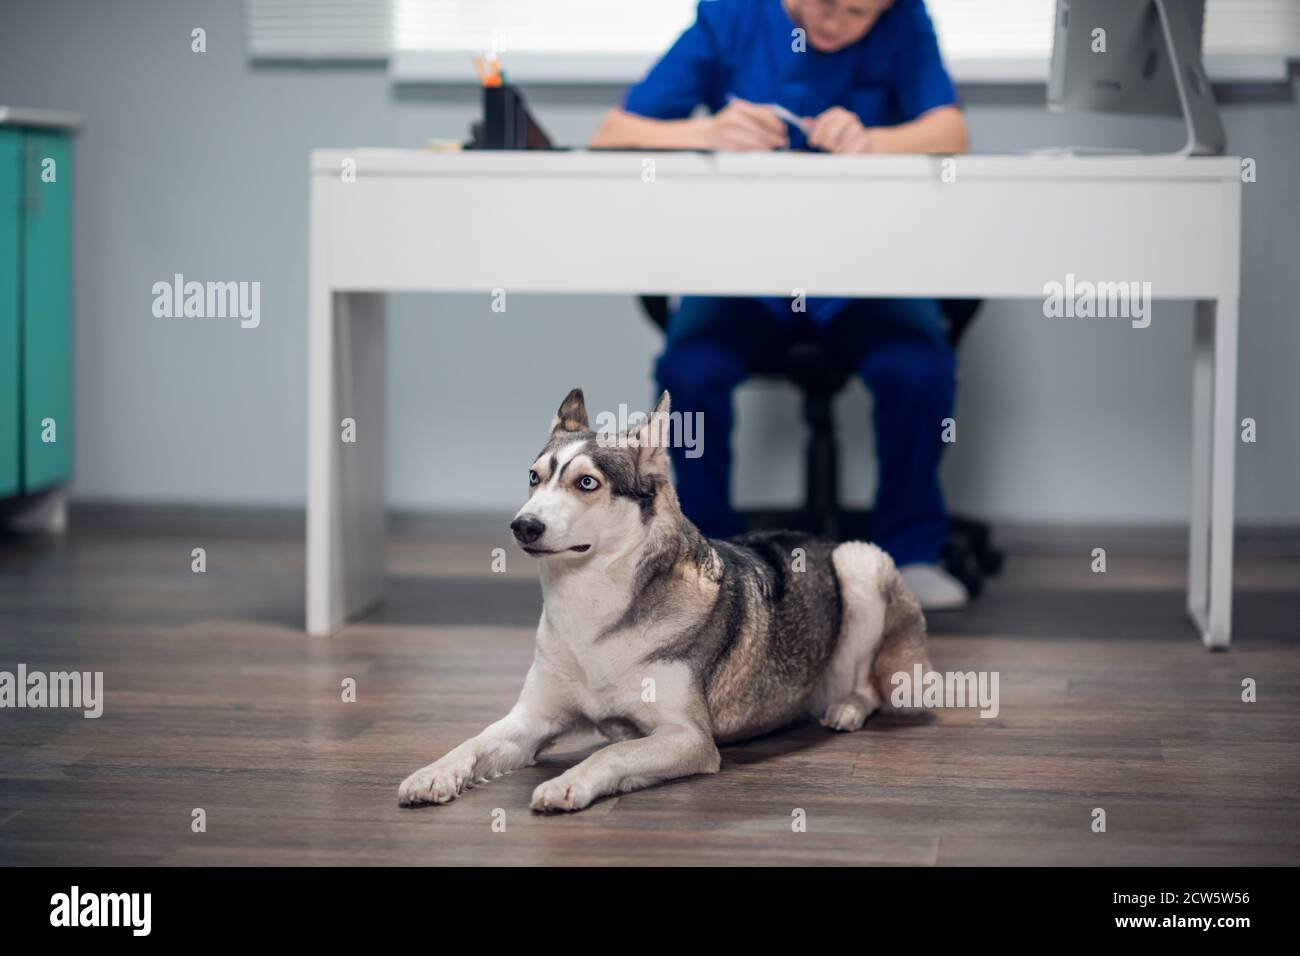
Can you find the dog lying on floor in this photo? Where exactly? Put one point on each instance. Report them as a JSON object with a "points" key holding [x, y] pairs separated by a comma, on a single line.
{"points": [[669, 643]]}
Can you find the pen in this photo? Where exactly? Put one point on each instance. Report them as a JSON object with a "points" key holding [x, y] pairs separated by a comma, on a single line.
{"points": [[798, 122], [489, 70]]}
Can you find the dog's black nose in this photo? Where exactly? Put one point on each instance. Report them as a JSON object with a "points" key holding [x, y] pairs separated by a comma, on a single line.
{"points": [[527, 529]]}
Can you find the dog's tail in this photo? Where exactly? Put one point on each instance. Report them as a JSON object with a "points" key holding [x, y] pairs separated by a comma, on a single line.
{"points": [[902, 642]]}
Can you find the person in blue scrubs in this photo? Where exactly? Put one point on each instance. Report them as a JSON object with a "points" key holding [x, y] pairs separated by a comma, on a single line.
{"points": [[867, 77]]}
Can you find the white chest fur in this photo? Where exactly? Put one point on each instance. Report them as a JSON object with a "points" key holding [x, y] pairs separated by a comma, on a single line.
{"points": [[605, 666]]}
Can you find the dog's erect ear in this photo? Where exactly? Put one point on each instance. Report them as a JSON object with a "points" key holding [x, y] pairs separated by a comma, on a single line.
{"points": [[650, 439], [572, 416]]}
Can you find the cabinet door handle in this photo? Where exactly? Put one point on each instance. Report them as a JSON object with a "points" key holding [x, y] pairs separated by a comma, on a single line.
{"points": [[31, 180]]}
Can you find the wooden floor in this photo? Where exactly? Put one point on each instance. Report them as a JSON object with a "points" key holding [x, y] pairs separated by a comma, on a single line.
{"points": [[216, 700]]}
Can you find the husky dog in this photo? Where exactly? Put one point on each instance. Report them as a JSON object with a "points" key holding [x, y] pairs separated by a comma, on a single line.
{"points": [[666, 642]]}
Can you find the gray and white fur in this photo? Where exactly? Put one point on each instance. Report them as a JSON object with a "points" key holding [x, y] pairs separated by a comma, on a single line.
{"points": [[669, 643]]}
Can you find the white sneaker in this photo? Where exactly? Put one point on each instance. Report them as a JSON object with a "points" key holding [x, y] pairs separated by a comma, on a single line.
{"points": [[934, 588]]}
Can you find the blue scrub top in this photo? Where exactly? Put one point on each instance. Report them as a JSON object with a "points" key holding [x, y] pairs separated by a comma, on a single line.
{"points": [[745, 48]]}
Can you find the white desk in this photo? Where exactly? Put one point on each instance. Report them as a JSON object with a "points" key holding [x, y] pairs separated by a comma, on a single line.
{"points": [[590, 222]]}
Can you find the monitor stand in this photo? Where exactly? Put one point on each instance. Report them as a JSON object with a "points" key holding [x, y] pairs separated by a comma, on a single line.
{"points": [[1200, 113]]}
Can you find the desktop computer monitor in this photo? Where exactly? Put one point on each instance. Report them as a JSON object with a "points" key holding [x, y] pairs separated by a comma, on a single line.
{"points": [[1135, 56]]}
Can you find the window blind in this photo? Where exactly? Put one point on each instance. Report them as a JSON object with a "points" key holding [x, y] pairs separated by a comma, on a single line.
{"points": [[976, 35]]}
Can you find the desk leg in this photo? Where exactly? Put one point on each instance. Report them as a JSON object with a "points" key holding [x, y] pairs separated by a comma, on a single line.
{"points": [[1214, 450], [346, 508]]}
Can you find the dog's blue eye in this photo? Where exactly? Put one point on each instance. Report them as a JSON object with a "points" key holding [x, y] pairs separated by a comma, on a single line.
{"points": [[588, 483], [533, 478]]}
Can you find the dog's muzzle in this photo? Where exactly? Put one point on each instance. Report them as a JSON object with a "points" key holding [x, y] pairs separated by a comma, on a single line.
{"points": [[527, 529]]}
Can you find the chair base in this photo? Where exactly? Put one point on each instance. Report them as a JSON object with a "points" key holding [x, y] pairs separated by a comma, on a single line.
{"points": [[968, 555]]}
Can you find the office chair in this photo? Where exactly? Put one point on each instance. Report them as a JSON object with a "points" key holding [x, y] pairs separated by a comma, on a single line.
{"points": [[969, 554]]}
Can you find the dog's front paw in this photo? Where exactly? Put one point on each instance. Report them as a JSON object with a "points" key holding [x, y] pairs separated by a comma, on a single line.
{"points": [[563, 793], [846, 715], [436, 783]]}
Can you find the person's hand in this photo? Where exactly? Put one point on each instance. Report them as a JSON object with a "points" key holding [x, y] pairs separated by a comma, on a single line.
{"points": [[840, 131], [742, 125]]}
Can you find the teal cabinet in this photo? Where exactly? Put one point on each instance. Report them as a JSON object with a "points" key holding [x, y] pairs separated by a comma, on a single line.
{"points": [[11, 233], [47, 312], [36, 395]]}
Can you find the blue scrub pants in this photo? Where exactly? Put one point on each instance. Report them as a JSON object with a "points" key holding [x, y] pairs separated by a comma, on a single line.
{"points": [[898, 346]]}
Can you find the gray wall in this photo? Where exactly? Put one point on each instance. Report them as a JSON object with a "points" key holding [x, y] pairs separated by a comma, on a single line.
{"points": [[197, 164]]}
